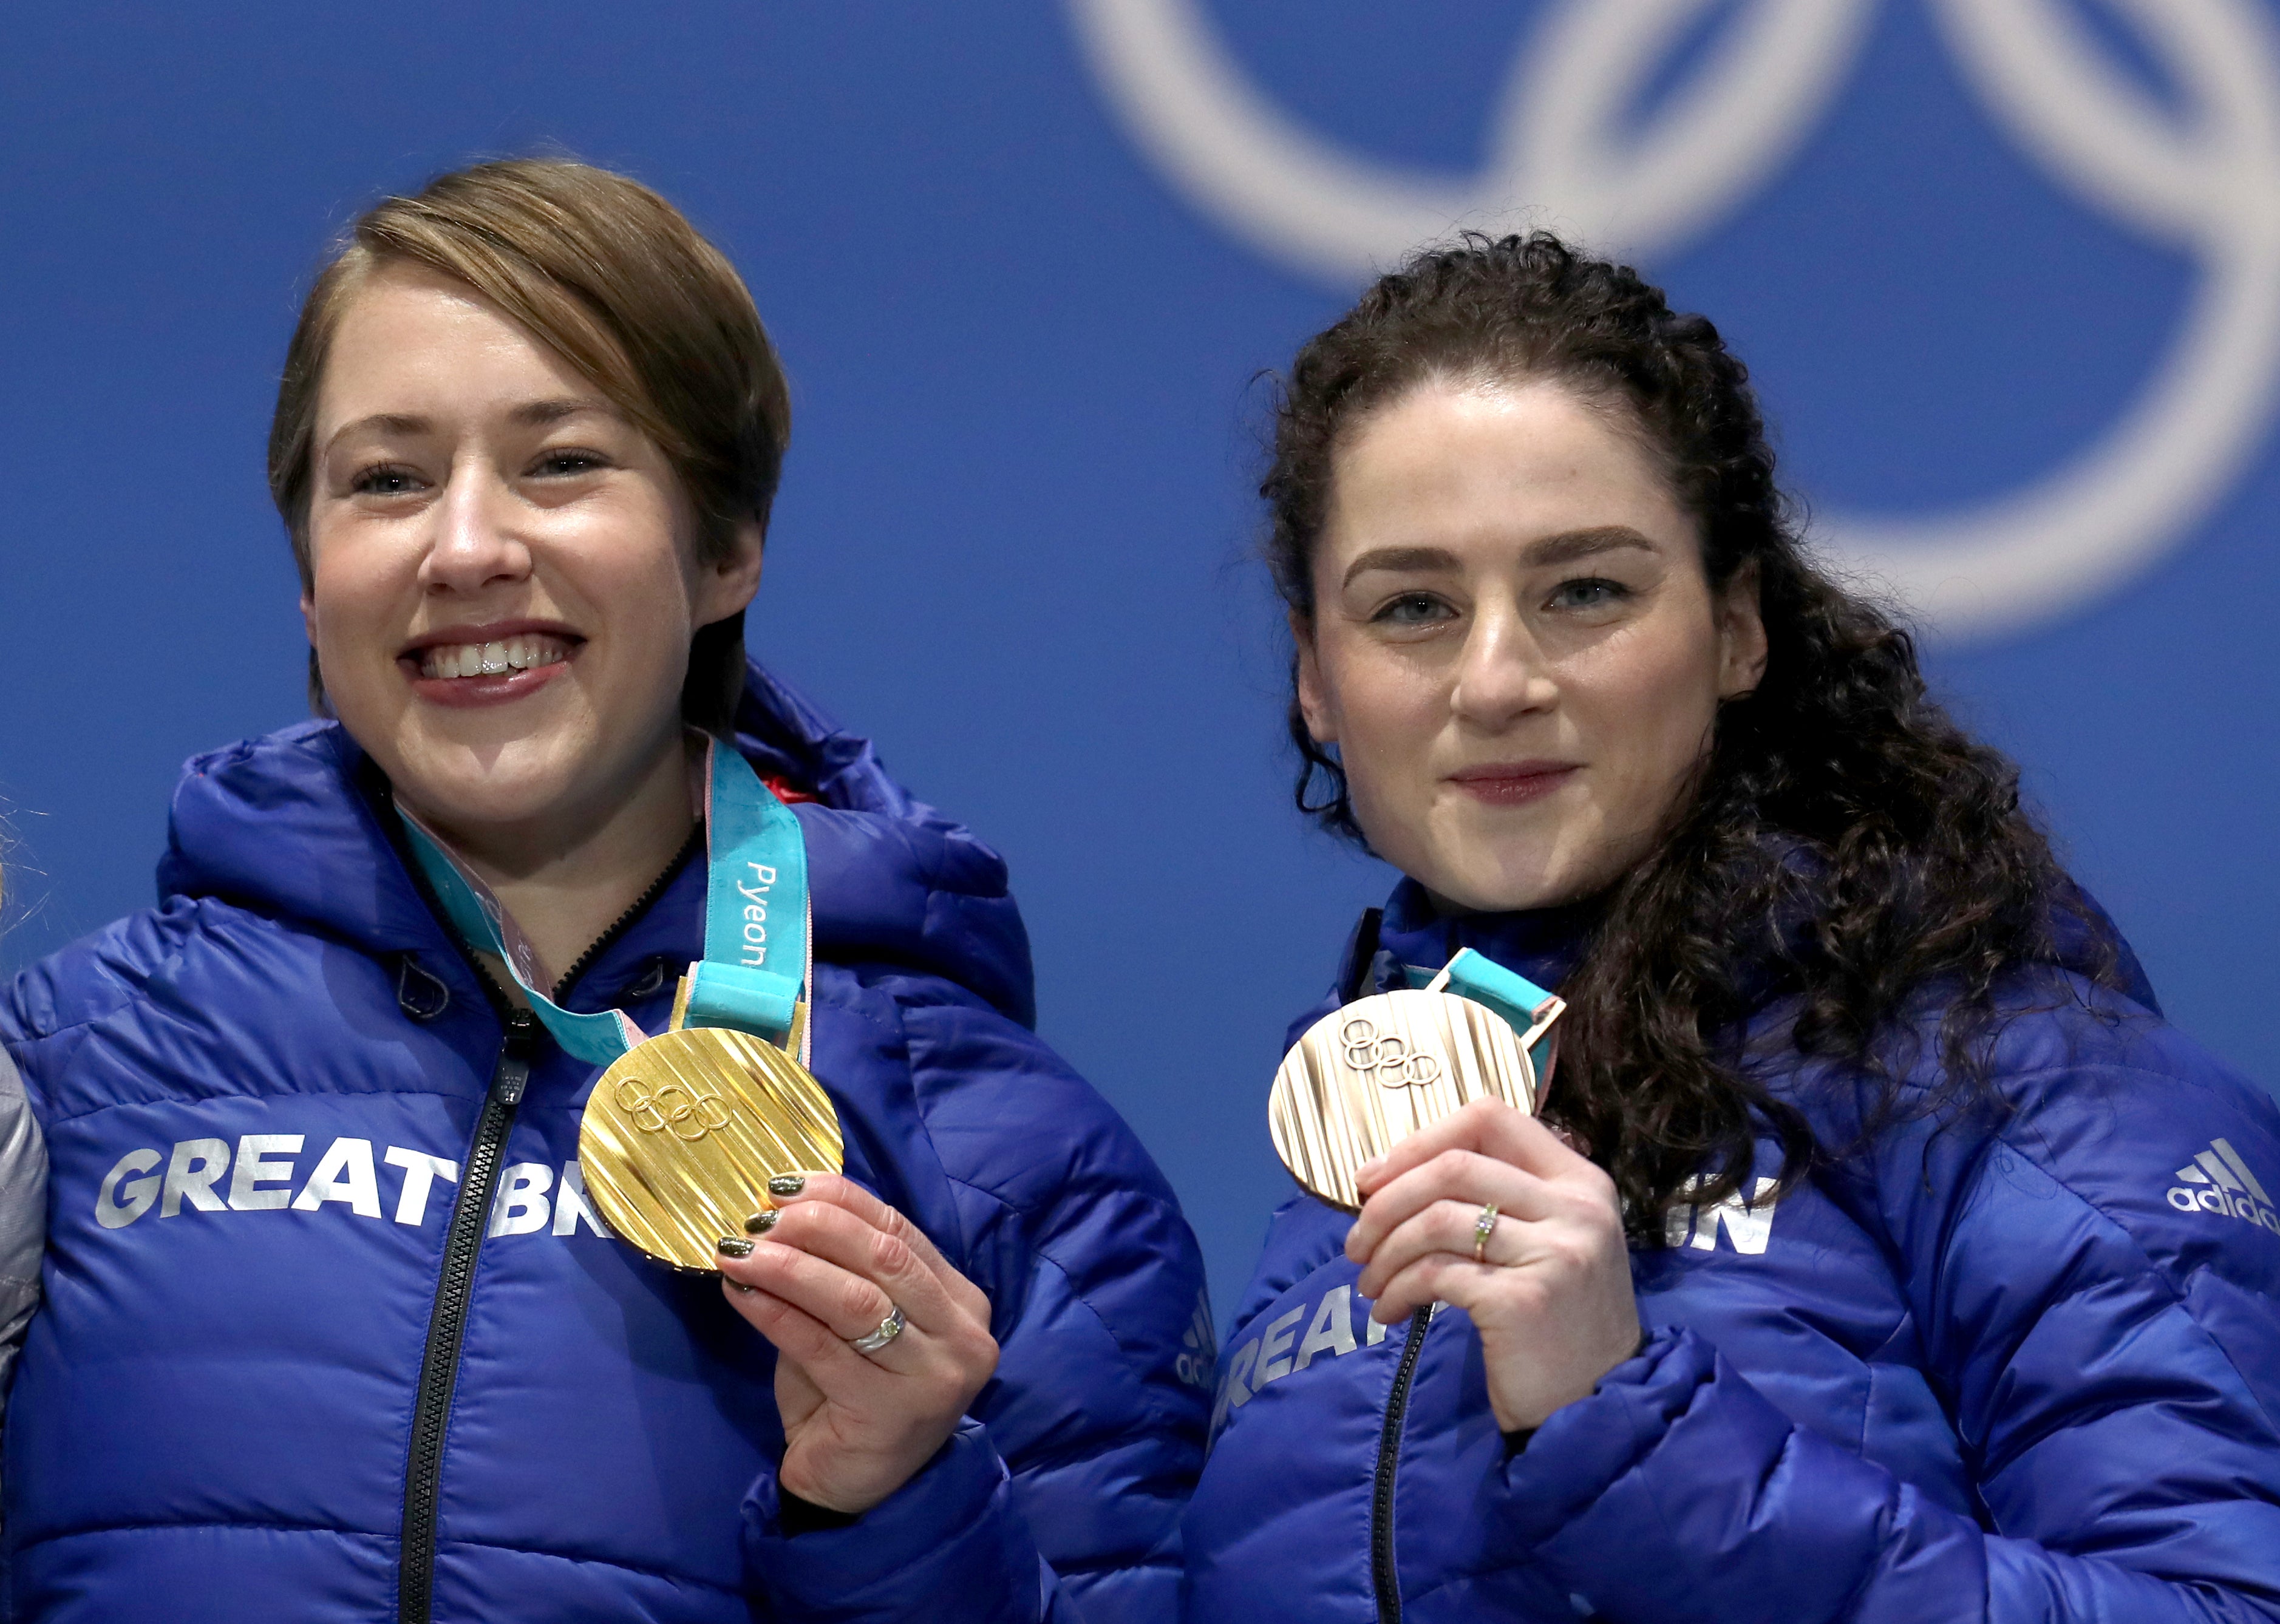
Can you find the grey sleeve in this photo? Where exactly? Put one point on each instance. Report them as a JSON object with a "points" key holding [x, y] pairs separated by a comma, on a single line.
{"points": [[23, 1214]]}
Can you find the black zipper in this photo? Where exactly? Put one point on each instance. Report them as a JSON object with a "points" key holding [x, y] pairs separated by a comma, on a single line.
{"points": [[601, 943], [1389, 1459], [447, 1321]]}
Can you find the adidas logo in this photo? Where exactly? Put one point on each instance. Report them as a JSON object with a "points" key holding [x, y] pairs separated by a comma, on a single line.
{"points": [[2217, 1181]]}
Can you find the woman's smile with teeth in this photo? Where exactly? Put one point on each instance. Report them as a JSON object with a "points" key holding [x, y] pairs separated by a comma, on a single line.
{"points": [[522, 652]]}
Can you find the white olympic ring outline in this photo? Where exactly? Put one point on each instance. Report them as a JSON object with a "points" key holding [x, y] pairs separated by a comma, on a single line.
{"points": [[2206, 181], [1383, 1055]]}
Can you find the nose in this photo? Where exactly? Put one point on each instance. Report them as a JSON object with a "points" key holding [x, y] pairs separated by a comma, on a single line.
{"points": [[1502, 674], [473, 544]]}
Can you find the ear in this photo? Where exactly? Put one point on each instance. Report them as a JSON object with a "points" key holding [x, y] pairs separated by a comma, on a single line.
{"points": [[1741, 635], [726, 587], [1313, 698], [309, 617]]}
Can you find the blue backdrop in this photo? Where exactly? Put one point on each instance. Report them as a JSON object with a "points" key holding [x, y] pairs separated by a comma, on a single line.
{"points": [[2005, 270]]}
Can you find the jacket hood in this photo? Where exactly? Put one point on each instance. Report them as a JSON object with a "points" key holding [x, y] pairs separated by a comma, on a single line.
{"points": [[279, 824]]}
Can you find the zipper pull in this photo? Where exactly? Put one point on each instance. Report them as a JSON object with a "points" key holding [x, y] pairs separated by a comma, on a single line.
{"points": [[514, 1073]]}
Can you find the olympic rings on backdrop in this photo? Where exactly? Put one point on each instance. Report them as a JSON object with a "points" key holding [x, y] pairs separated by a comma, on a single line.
{"points": [[1567, 151]]}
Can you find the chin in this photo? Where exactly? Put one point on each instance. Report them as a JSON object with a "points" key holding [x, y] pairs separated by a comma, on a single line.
{"points": [[500, 788], [1475, 869], [1470, 895]]}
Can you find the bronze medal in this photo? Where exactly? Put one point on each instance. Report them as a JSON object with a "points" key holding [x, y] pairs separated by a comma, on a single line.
{"points": [[683, 1132], [1367, 1076]]}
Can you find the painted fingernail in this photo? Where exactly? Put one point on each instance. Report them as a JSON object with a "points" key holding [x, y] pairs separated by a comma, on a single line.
{"points": [[735, 1246], [787, 1184], [760, 1223]]}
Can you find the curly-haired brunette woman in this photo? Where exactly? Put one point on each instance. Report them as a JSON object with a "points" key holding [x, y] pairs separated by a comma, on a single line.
{"points": [[1881, 1254]]}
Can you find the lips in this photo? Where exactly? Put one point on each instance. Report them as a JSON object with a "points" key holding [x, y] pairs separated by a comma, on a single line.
{"points": [[1513, 783], [493, 657], [488, 664]]}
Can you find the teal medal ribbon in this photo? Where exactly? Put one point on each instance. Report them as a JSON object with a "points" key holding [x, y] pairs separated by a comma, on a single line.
{"points": [[1521, 1003], [1370, 1072], [759, 928]]}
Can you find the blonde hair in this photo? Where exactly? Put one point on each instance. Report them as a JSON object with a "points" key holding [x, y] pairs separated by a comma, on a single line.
{"points": [[611, 278]]}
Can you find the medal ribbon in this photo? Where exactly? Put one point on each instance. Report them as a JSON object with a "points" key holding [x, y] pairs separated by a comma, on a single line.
{"points": [[1476, 976], [754, 974]]}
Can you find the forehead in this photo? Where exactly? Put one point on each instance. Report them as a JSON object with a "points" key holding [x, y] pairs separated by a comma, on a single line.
{"points": [[1463, 462], [409, 338]]}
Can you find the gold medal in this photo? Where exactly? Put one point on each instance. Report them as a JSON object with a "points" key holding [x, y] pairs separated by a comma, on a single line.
{"points": [[1367, 1076], [683, 1132]]}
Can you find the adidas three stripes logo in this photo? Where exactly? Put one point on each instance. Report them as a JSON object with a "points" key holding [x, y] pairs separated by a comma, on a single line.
{"points": [[2218, 1180]]}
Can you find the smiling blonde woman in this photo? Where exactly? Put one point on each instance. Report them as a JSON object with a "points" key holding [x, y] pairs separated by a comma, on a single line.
{"points": [[335, 1330]]}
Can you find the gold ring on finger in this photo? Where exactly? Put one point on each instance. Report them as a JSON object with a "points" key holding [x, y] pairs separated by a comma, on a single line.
{"points": [[1483, 1227]]}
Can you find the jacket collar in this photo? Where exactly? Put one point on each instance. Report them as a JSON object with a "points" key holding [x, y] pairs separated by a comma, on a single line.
{"points": [[1546, 945], [280, 826], [1543, 945]]}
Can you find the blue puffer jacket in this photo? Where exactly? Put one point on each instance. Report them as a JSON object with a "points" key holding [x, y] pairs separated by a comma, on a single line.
{"points": [[274, 1106], [2027, 1370]]}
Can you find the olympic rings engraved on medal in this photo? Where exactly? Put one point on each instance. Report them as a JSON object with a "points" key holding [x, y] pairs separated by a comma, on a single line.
{"points": [[672, 1108], [1388, 1061], [1564, 148]]}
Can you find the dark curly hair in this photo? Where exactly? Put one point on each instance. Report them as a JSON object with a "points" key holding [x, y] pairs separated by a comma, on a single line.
{"points": [[1845, 842]]}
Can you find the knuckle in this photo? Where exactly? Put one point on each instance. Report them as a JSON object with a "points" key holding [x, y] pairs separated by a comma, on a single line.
{"points": [[759, 1306], [1526, 1300]]}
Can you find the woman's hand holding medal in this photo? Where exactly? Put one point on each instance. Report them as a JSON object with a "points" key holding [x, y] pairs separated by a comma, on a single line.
{"points": [[831, 1272], [1546, 1278]]}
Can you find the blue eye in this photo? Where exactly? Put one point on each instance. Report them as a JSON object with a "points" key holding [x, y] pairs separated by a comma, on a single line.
{"points": [[384, 481], [1589, 592], [1413, 609]]}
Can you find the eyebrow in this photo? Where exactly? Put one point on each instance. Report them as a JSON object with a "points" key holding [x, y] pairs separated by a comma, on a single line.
{"points": [[1570, 545], [385, 422], [538, 413], [531, 413], [1565, 548]]}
